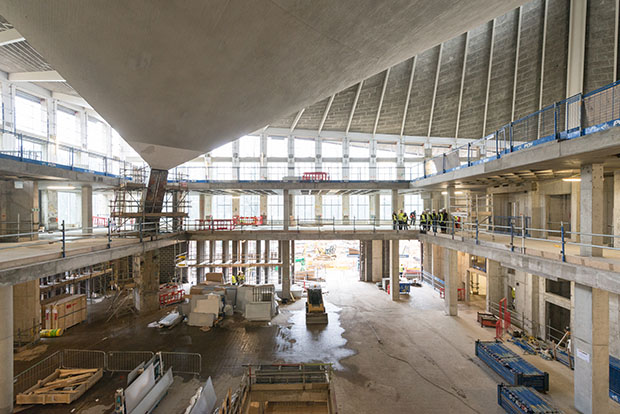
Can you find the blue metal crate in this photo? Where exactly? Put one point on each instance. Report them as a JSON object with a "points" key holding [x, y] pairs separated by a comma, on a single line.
{"points": [[614, 378], [510, 366], [523, 400]]}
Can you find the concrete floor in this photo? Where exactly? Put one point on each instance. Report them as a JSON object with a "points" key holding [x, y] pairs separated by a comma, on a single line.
{"points": [[390, 357]]}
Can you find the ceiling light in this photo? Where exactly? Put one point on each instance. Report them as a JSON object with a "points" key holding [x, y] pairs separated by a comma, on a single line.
{"points": [[458, 192], [572, 180], [60, 187], [444, 192]]}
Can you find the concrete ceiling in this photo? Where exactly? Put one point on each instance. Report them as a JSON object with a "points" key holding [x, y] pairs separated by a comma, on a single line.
{"points": [[179, 78]]}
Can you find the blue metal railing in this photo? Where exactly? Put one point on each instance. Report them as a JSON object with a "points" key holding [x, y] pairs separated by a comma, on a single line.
{"points": [[567, 119]]}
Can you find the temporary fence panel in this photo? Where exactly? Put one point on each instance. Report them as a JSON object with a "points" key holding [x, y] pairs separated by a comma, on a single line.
{"points": [[83, 358], [182, 362], [38, 371], [126, 361]]}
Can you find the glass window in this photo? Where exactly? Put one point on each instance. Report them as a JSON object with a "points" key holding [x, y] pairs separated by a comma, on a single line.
{"points": [[304, 167], [332, 207], [386, 171], [30, 114], [385, 203], [304, 148], [359, 171], [68, 126], [69, 209], [275, 207], [277, 170], [334, 169], [413, 170], [277, 147], [304, 207], [194, 207], [249, 206], [249, 171], [221, 206], [223, 151], [359, 207], [331, 149], [221, 171], [359, 150], [97, 138], [413, 202], [249, 146], [414, 150], [101, 205]]}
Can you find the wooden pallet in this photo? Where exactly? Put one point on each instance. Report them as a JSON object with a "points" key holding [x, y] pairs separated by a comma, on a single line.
{"points": [[63, 386]]}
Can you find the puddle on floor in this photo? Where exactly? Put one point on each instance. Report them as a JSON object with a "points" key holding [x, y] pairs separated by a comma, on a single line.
{"points": [[301, 343]]}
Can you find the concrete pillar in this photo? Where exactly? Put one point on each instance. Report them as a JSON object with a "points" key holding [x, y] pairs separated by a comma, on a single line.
{"points": [[576, 47], [395, 206], [225, 257], [532, 304], [26, 311], [211, 254], [235, 203], [19, 203], [394, 270], [575, 210], [375, 206], [591, 349], [285, 252], [495, 284], [616, 204], [6, 349], [292, 261], [259, 269], [376, 260], [235, 256], [591, 208], [146, 277], [286, 209], [451, 279], [427, 257], [318, 207], [200, 257], [346, 209], [267, 259]]}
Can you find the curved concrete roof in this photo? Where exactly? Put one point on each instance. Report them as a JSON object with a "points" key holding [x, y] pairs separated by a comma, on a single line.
{"points": [[179, 78]]}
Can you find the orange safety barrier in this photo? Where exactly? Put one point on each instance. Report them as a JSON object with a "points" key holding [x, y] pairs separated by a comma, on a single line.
{"points": [[460, 294], [248, 221], [504, 321], [315, 176], [222, 224], [100, 221]]}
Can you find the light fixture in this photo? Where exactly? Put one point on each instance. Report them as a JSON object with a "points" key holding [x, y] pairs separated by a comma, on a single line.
{"points": [[61, 187], [458, 192], [444, 192], [572, 179]]}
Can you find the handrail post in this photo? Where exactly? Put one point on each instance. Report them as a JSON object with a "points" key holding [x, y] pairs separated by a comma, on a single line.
{"points": [[477, 230], [140, 227], [510, 136], [334, 224], [64, 254], [523, 234], [556, 135], [469, 154], [443, 163], [452, 220], [563, 243]]}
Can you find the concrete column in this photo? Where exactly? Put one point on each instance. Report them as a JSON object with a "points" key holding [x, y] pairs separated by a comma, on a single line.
{"points": [[267, 259], [394, 270], [591, 208], [427, 257], [451, 279], [318, 207], [235, 205], [285, 253], [259, 269], [200, 257], [346, 209], [292, 261], [575, 210], [26, 311], [532, 304], [225, 257], [286, 209], [211, 254], [146, 277], [375, 206], [263, 203], [591, 349], [395, 206], [376, 260], [495, 284], [616, 204], [235, 256], [87, 209], [6, 349]]}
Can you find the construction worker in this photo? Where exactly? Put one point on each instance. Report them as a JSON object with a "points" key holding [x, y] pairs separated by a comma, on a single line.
{"points": [[233, 279], [434, 220], [443, 220], [412, 219], [394, 220], [423, 221], [401, 269], [240, 279], [402, 220]]}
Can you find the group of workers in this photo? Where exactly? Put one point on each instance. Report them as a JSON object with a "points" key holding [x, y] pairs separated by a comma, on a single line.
{"points": [[402, 221], [428, 220]]}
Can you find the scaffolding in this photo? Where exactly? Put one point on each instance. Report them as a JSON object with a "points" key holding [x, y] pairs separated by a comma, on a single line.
{"points": [[128, 212]]}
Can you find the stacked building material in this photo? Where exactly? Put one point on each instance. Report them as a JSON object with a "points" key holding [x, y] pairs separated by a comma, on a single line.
{"points": [[65, 313], [511, 367], [204, 309], [63, 386], [523, 400], [614, 378]]}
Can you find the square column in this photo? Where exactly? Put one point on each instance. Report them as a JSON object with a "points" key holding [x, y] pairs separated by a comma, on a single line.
{"points": [[395, 206], [225, 257], [451, 279], [200, 257], [211, 254], [285, 254], [87, 209], [394, 270], [591, 350], [259, 269], [267, 259], [235, 255], [146, 276], [376, 258], [286, 209], [591, 208], [616, 204], [6, 349]]}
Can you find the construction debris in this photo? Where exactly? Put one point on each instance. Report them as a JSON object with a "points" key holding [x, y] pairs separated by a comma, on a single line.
{"points": [[63, 386], [169, 321]]}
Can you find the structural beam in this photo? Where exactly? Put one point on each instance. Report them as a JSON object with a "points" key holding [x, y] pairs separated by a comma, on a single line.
{"points": [[296, 120], [462, 87], [430, 119], [43, 76], [357, 96], [411, 75], [486, 99], [385, 81], [327, 108]]}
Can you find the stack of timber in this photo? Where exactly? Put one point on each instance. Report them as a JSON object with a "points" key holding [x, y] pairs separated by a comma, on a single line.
{"points": [[65, 313], [63, 386]]}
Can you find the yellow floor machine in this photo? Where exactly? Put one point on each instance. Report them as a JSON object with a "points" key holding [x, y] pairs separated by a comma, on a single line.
{"points": [[315, 309]]}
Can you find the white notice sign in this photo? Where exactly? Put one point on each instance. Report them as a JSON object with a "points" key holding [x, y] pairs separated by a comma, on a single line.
{"points": [[583, 355]]}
